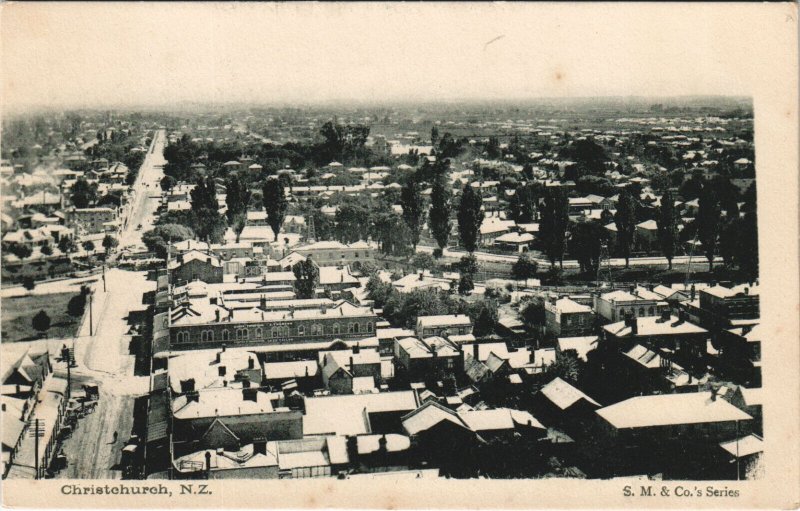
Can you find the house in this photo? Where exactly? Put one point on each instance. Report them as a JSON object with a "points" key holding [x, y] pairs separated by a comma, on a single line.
{"points": [[94, 220], [567, 318], [581, 345], [646, 235], [341, 368], [195, 265], [333, 253], [693, 416], [422, 280], [428, 357], [492, 228], [687, 340], [443, 326], [357, 414], [518, 242], [562, 405], [616, 305], [735, 306]]}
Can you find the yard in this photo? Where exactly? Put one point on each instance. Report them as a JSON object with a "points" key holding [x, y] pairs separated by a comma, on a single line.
{"points": [[17, 313]]}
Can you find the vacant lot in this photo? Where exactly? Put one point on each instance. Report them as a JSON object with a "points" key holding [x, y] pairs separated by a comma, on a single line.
{"points": [[18, 312]]}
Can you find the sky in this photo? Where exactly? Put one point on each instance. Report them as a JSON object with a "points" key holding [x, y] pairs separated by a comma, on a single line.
{"points": [[85, 54]]}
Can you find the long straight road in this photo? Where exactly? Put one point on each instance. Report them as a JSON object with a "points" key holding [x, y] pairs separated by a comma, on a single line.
{"points": [[147, 192]]}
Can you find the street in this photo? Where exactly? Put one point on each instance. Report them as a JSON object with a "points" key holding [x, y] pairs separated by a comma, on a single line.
{"points": [[147, 190], [105, 359], [699, 262]]}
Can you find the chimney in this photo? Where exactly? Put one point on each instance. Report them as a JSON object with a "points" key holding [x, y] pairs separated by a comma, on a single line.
{"points": [[421, 275], [250, 394], [193, 396], [245, 384], [230, 314], [665, 315], [263, 302], [747, 291], [634, 326], [250, 363], [222, 370], [475, 351], [692, 293], [382, 445], [351, 363], [216, 315], [224, 347], [714, 391], [208, 461], [259, 446], [356, 349], [187, 386], [323, 309]]}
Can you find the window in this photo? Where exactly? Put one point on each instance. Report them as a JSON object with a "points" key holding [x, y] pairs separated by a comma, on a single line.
{"points": [[259, 333], [274, 332], [350, 328], [355, 328], [301, 330], [641, 312], [226, 336], [449, 363], [369, 326], [652, 311], [207, 335], [336, 329]]}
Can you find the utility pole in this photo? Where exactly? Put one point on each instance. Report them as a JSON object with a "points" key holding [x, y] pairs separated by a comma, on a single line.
{"points": [[36, 433], [104, 278], [91, 328]]}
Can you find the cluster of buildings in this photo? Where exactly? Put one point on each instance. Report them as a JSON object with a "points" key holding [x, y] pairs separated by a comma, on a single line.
{"points": [[34, 404]]}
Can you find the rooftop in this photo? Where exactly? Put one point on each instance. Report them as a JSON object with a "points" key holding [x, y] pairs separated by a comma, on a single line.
{"points": [[670, 410]]}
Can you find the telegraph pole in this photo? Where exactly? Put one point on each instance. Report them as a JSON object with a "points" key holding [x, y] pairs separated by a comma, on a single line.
{"points": [[104, 278], [36, 447], [91, 330]]}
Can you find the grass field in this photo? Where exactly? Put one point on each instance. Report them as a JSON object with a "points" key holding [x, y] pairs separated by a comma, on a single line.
{"points": [[18, 312]]}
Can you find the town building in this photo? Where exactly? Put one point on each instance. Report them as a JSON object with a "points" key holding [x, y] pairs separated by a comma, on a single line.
{"points": [[443, 326], [567, 318]]}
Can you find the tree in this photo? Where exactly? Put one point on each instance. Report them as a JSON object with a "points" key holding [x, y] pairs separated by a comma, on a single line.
{"points": [[83, 193], [167, 182], [88, 245], [524, 268], [441, 206], [468, 267], [353, 221], [41, 322], [275, 203], [28, 283], [493, 148], [237, 197], [747, 254], [109, 242], [46, 249], [523, 205], [67, 245], [159, 238], [470, 217], [76, 305], [484, 317], [532, 314], [625, 220], [423, 261], [553, 225], [208, 224], [708, 222], [413, 209], [238, 224], [585, 243], [434, 135], [667, 230], [20, 250], [306, 276]]}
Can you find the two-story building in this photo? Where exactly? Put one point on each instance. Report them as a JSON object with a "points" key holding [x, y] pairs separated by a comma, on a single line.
{"points": [[443, 326]]}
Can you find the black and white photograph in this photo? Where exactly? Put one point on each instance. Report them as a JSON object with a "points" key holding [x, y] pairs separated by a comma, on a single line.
{"points": [[391, 244]]}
